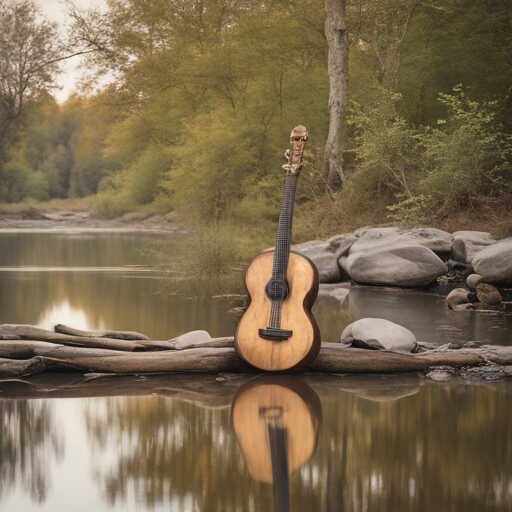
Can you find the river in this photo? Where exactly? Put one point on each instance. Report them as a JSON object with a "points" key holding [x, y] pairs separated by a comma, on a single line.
{"points": [[196, 443]]}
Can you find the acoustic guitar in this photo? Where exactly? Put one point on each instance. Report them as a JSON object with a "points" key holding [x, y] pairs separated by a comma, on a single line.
{"points": [[276, 420], [278, 332]]}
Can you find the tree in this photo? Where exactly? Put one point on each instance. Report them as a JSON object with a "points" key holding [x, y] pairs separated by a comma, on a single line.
{"points": [[337, 40], [29, 54]]}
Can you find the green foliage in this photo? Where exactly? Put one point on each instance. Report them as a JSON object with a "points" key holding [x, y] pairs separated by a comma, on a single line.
{"points": [[410, 212], [455, 165], [145, 175], [213, 163], [386, 153], [470, 157], [15, 173], [37, 186], [206, 93]]}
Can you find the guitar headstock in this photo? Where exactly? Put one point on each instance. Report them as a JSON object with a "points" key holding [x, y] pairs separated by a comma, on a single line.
{"points": [[298, 139]]}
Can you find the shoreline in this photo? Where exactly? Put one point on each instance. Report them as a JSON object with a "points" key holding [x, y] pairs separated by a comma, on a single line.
{"points": [[74, 221]]}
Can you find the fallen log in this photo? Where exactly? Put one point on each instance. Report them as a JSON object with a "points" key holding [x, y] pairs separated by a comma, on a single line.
{"points": [[116, 335], [13, 369], [29, 332], [358, 360], [59, 351], [227, 341], [207, 360]]}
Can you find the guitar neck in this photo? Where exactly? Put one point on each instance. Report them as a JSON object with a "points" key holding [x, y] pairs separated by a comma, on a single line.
{"points": [[284, 231]]}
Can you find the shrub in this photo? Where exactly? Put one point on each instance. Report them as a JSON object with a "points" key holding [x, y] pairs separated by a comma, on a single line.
{"points": [[37, 186], [467, 159]]}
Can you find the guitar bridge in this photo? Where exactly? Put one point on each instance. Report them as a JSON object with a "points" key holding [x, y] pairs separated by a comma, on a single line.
{"points": [[275, 334]]}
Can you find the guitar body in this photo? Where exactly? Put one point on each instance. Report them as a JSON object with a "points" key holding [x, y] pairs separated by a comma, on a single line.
{"points": [[301, 348]]}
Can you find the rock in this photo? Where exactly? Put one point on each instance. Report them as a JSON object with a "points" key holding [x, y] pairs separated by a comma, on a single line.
{"points": [[473, 281], [379, 333], [438, 241], [192, 338], [463, 307], [337, 291], [346, 244], [323, 256], [439, 376], [336, 241], [459, 252], [457, 296], [488, 295], [494, 263], [469, 243], [399, 264]]}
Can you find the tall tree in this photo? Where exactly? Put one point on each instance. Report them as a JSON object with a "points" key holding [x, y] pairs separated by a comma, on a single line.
{"points": [[29, 55], [337, 40]]}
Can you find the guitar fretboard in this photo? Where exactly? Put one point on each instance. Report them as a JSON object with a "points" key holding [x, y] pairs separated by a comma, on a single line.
{"points": [[283, 243]]}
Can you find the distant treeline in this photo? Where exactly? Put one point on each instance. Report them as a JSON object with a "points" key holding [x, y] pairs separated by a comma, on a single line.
{"points": [[206, 93]]}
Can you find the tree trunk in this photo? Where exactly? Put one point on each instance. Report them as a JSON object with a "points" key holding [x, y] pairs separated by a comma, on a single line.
{"points": [[337, 41]]}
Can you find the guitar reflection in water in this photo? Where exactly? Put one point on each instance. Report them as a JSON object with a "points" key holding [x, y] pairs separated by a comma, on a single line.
{"points": [[276, 421]]}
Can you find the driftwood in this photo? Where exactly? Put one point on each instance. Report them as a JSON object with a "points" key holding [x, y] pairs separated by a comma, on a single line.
{"points": [[208, 360], [10, 369], [224, 359], [27, 350], [28, 332], [357, 360], [116, 335]]}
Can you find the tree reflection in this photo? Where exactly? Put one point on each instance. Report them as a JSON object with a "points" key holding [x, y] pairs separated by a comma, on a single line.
{"points": [[28, 443]]}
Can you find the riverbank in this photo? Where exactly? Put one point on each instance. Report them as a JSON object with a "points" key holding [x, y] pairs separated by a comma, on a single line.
{"points": [[30, 219]]}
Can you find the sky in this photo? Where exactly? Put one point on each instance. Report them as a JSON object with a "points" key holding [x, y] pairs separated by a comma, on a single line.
{"points": [[54, 10]]}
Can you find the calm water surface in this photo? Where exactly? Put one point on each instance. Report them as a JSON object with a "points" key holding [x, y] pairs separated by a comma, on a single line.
{"points": [[386, 446], [99, 281], [208, 443]]}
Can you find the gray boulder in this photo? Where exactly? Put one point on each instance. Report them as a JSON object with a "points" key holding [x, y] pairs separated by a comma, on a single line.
{"points": [[466, 244], [399, 264], [323, 255], [380, 334], [457, 296], [438, 241], [345, 245], [494, 263]]}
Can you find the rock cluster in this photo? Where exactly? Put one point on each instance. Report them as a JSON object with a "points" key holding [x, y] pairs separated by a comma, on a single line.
{"points": [[461, 299], [416, 257]]}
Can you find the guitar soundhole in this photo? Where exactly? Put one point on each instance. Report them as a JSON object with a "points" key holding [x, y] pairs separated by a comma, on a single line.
{"points": [[277, 290]]}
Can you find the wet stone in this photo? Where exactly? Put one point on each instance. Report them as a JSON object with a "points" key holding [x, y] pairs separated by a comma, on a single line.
{"points": [[439, 376]]}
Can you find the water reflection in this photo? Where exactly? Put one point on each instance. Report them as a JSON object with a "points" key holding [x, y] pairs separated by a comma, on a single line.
{"points": [[106, 301], [97, 280], [387, 444], [29, 442], [426, 315], [276, 421]]}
